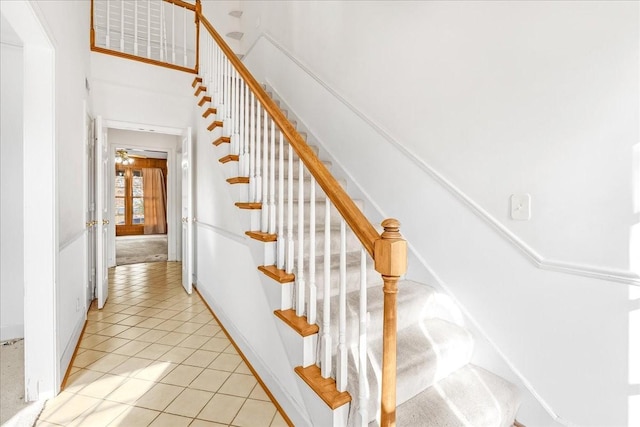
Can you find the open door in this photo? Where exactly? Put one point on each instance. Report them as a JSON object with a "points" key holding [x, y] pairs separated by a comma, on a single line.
{"points": [[187, 236], [102, 209], [91, 212]]}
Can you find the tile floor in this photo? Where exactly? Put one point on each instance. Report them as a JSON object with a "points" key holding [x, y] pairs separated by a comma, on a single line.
{"points": [[155, 356]]}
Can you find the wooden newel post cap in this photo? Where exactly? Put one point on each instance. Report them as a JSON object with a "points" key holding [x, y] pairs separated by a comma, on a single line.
{"points": [[390, 250]]}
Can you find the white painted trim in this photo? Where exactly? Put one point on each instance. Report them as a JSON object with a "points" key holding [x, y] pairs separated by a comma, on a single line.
{"points": [[67, 354], [256, 361], [173, 190], [566, 267], [42, 372], [240, 238]]}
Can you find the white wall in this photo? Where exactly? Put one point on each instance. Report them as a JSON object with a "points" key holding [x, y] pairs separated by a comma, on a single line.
{"points": [[495, 98], [131, 91], [11, 184], [217, 12]]}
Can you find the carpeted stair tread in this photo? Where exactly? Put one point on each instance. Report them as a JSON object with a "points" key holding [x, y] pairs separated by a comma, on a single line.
{"points": [[428, 351], [471, 396]]}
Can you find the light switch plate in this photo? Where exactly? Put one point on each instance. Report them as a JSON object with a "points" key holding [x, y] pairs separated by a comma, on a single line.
{"points": [[521, 207]]}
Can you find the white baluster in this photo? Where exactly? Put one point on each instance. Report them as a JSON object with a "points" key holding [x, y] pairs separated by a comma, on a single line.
{"points": [[264, 223], [341, 362], [242, 134], [290, 252], [121, 25], [236, 120], [325, 341], [281, 237], [252, 150], [173, 35], [272, 181], [300, 283], [184, 34], [163, 42], [107, 41], [148, 28], [258, 170], [245, 159], [233, 146], [135, 28], [363, 381], [311, 304]]}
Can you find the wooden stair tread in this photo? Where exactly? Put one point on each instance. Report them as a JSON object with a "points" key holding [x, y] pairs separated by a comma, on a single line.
{"points": [[196, 81], [215, 124], [222, 140], [280, 276], [200, 90], [209, 111], [238, 180], [324, 387], [249, 205], [229, 158], [203, 100], [263, 237], [297, 323]]}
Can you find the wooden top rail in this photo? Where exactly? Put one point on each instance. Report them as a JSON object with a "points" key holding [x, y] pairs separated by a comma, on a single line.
{"points": [[182, 4], [356, 220]]}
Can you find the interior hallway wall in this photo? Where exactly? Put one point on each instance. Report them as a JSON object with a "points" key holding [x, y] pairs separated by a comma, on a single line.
{"points": [[11, 191]]}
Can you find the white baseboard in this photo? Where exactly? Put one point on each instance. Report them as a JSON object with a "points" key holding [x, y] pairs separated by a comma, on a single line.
{"points": [[10, 332]]}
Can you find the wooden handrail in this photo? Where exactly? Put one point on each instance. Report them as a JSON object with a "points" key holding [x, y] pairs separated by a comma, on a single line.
{"points": [[353, 216], [183, 4]]}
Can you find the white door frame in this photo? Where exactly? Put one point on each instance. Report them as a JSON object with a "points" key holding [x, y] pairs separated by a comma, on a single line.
{"points": [[42, 369], [174, 173]]}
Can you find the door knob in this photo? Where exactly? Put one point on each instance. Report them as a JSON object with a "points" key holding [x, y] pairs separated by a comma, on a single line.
{"points": [[105, 221]]}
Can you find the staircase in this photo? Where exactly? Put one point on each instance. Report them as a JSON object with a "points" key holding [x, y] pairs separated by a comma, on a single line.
{"points": [[436, 383]]}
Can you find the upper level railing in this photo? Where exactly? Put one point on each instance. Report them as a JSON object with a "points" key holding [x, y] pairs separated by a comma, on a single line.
{"points": [[160, 32]]}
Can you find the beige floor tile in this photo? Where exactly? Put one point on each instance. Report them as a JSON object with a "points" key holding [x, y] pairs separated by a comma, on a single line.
{"points": [[258, 393], [216, 344], [255, 413], [226, 362], [243, 369], [130, 391], [87, 358], [169, 420], [209, 330], [221, 408], [88, 341], [113, 330], [150, 322], [188, 327], [101, 415], [94, 327], [201, 318], [159, 396], [278, 421], [183, 316], [172, 338], [176, 354], [151, 336], [182, 375], [209, 380], [202, 423], [131, 366], [132, 348], [132, 310], [166, 314], [110, 344], [189, 403], [102, 386], [153, 351], [80, 379], [67, 409], [202, 358], [169, 325], [132, 320], [230, 350], [107, 363], [132, 333], [135, 417], [155, 371], [116, 317], [149, 312], [194, 341], [238, 385], [41, 423]]}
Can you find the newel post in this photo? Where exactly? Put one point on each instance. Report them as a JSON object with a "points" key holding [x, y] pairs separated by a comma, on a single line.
{"points": [[390, 253]]}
